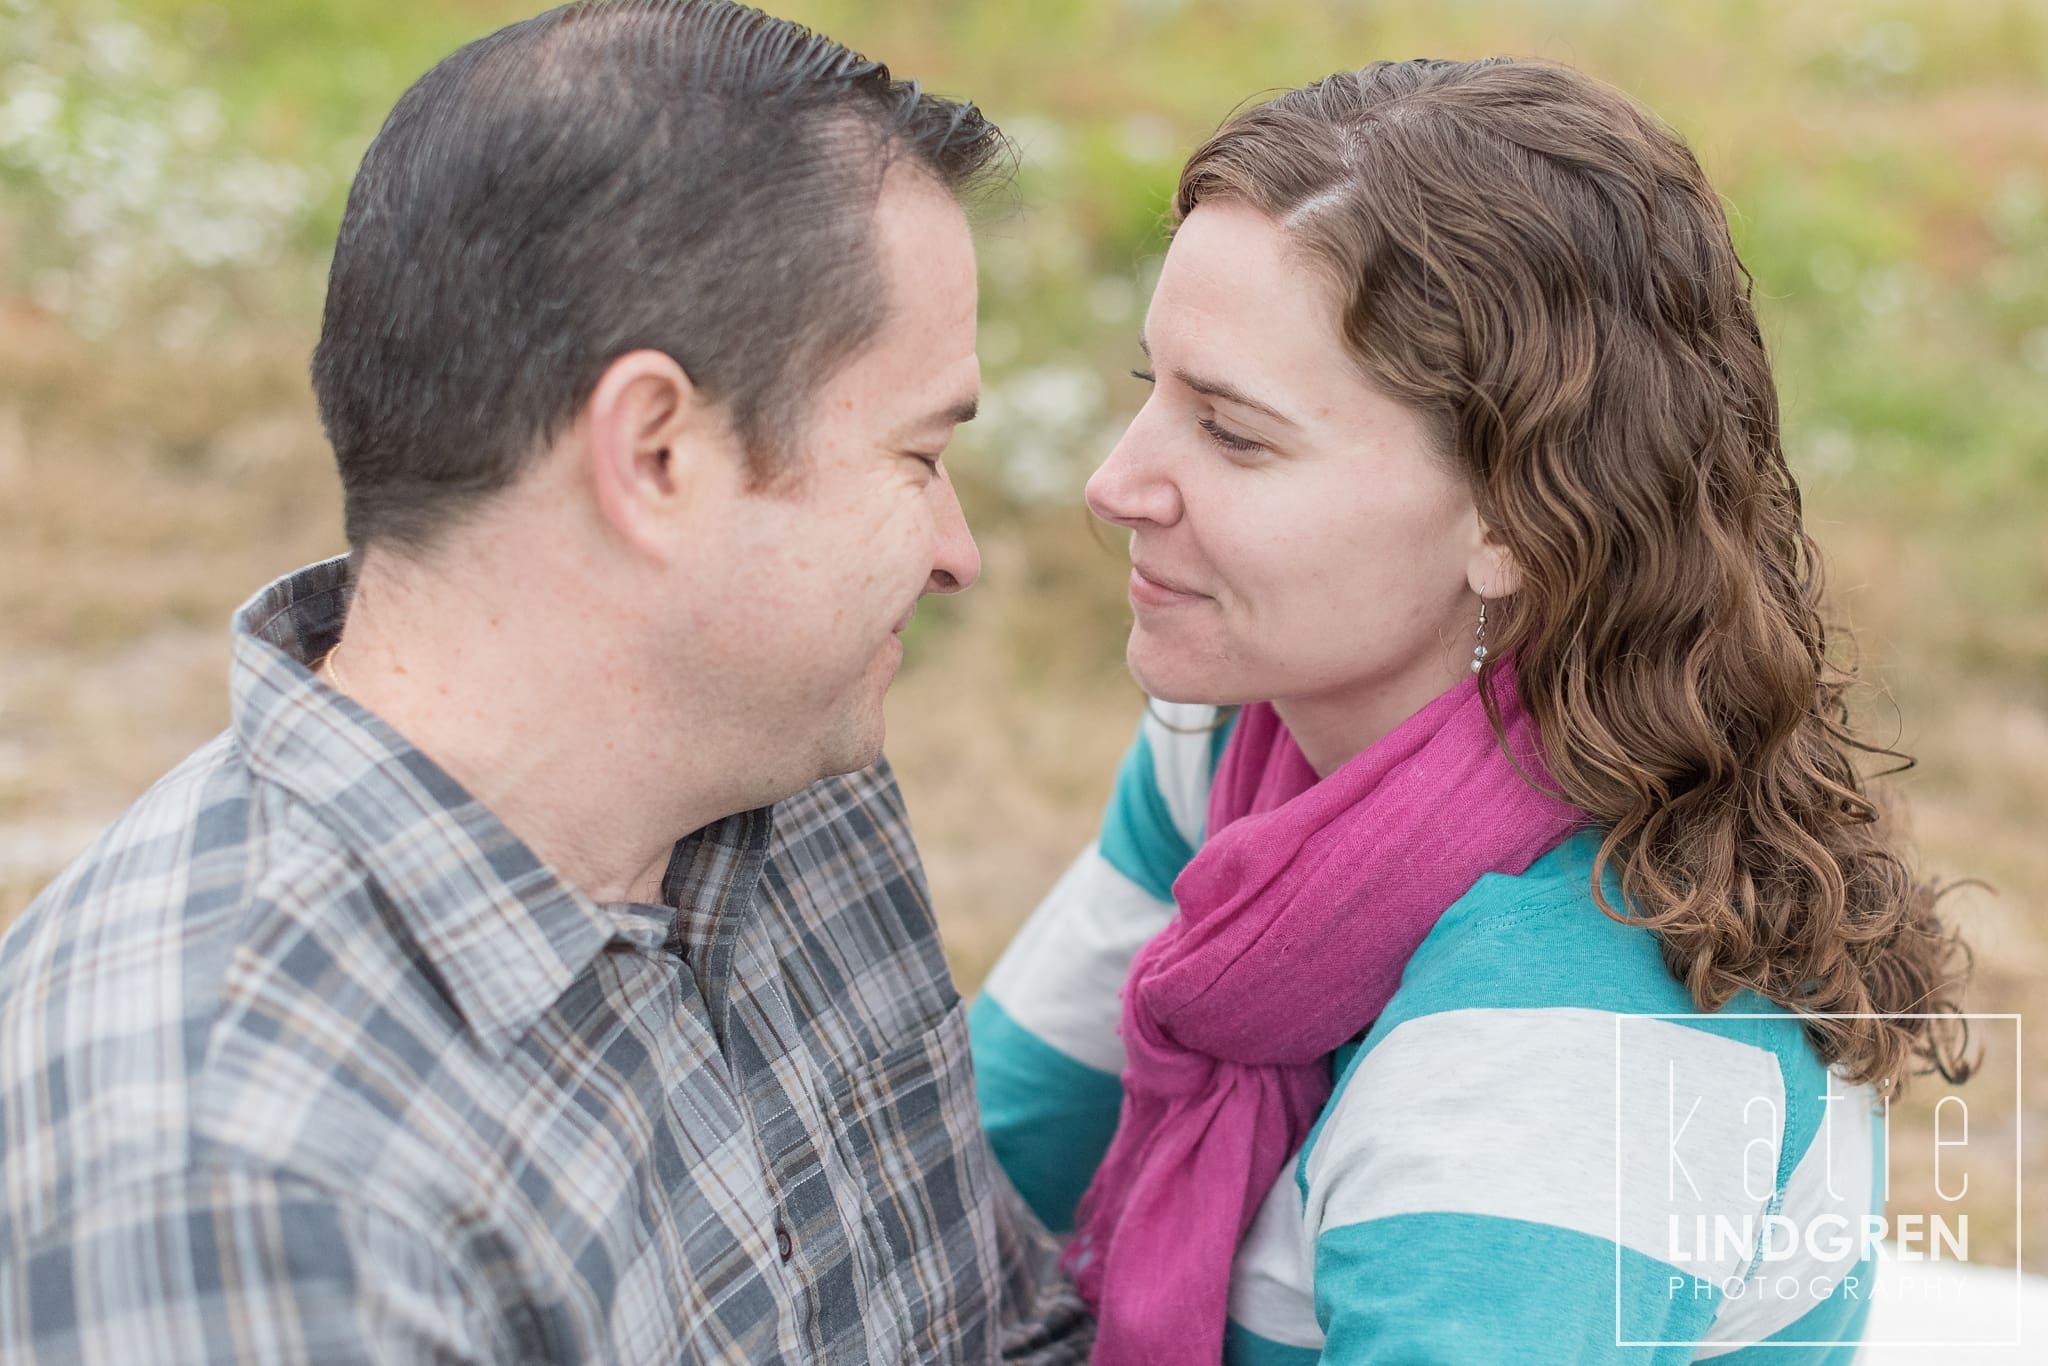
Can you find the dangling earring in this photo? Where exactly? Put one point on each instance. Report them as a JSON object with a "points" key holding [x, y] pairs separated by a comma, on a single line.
{"points": [[1479, 637]]}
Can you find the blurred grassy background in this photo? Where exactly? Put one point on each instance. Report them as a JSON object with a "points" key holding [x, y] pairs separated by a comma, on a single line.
{"points": [[171, 175]]}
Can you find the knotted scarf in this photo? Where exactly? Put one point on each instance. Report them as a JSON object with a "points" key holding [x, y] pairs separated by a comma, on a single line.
{"points": [[1294, 922]]}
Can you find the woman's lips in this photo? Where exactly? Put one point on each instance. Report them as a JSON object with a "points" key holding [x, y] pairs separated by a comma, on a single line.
{"points": [[1147, 591]]}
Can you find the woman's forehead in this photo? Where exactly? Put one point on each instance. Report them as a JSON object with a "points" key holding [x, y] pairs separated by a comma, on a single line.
{"points": [[1238, 302]]}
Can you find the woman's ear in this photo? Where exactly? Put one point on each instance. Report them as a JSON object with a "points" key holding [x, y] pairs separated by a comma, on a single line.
{"points": [[1492, 571]]}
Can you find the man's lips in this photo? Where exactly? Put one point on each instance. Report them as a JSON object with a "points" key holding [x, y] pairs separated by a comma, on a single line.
{"points": [[900, 626]]}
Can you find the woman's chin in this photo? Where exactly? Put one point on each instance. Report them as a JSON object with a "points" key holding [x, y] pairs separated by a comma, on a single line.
{"points": [[1173, 676]]}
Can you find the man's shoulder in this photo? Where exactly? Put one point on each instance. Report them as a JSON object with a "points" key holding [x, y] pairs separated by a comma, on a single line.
{"points": [[202, 844], [136, 889], [115, 982]]}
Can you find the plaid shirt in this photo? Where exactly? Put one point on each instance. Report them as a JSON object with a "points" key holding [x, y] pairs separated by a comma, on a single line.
{"points": [[309, 1059]]}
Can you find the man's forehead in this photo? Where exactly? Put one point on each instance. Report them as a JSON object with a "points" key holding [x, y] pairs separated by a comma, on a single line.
{"points": [[920, 365]]}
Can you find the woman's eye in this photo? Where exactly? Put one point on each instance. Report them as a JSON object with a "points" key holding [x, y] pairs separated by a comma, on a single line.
{"points": [[1145, 375], [1224, 437]]}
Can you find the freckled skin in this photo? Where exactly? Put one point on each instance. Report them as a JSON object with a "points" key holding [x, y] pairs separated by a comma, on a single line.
{"points": [[671, 644], [1334, 570], [816, 577]]}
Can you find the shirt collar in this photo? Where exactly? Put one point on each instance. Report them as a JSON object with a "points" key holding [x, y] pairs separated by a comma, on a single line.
{"points": [[503, 931]]}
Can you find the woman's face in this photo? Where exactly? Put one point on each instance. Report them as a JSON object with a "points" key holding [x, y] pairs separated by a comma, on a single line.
{"points": [[1294, 536]]}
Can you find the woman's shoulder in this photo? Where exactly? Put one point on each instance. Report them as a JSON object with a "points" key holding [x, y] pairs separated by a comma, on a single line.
{"points": [[1158, 813], [1535, 1090], [1541, 941], [1181, 744], [1538, 950], [1527, 1009]]}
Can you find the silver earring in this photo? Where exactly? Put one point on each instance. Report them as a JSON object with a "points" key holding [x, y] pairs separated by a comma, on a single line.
{"points": [[1479, 637]]}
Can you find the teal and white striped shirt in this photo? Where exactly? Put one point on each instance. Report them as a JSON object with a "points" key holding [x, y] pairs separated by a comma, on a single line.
{"points": [[1518, 1161]]}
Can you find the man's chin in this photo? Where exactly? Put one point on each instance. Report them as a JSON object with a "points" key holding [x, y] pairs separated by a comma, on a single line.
{"points": [[855, 746]]}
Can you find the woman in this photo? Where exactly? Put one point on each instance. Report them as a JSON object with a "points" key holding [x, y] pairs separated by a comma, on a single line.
{"points": [[1493, 722]]}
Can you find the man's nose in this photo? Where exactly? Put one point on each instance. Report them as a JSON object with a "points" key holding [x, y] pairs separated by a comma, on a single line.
{"points": [[956, 562]]}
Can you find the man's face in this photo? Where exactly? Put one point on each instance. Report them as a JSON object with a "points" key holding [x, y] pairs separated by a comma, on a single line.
{"points": [[815, 581]]}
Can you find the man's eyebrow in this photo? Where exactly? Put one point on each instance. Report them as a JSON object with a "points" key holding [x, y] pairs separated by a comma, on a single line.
{"points": [[952, 415], [1216, 388]]}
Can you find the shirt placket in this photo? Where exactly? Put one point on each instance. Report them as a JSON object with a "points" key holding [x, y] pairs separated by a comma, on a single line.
{"points": [[716, 881]]}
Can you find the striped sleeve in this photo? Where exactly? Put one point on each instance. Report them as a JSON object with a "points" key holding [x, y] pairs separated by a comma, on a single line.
{"points": [[1046, 1053], [1535, 1155]]}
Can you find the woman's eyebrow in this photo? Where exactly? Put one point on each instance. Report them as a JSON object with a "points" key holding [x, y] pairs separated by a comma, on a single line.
{"points": [[1216, 388]]}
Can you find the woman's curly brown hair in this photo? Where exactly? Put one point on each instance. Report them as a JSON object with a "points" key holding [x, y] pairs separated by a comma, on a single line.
{"points": [[1529, 258]]}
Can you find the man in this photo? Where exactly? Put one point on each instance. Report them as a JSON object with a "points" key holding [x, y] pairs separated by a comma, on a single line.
{"points": [[513, 980]]}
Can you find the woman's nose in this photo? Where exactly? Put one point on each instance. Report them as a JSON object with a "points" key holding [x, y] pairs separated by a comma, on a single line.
{"points": [[1129, 489]]}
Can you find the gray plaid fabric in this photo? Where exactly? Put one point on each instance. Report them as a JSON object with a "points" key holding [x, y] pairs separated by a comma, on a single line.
{"points": [[308, 1059]]}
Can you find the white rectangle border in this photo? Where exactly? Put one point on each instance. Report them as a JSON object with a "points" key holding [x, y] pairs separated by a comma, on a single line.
{"points": [[2018, 1148]]}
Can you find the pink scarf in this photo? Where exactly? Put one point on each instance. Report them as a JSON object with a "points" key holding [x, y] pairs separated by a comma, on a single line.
{"points": [[1295, 921]]}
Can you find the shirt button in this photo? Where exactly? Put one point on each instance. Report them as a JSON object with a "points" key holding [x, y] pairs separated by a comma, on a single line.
{"points": [[785, 1246]]}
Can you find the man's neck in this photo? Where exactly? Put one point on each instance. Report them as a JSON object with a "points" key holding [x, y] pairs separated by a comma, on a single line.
{"points": [[504, 682]]}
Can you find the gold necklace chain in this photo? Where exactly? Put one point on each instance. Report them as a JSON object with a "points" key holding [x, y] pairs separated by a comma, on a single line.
{"points": [[331, 662]]}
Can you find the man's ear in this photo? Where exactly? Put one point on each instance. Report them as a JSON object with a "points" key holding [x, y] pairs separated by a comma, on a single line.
{"points": [[1492, 571], [651, 442]]}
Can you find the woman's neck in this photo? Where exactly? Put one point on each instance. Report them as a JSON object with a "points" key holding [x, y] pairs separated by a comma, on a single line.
{"points": [[1333, 728]]}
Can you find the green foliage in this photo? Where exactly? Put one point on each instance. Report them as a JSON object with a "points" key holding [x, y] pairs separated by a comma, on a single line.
{"points": [[177, 167]]}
